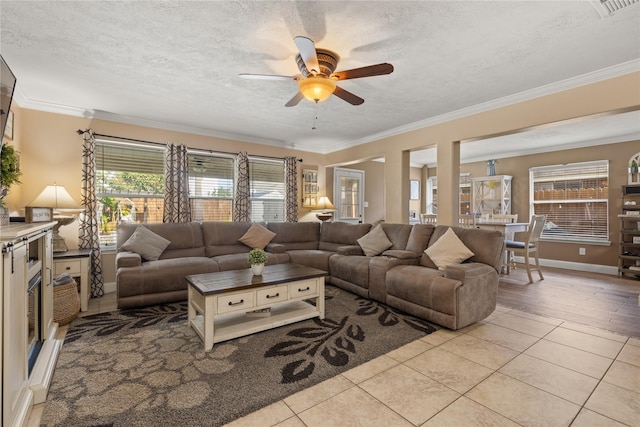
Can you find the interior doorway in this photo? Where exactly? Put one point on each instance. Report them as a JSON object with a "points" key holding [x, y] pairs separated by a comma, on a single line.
{"points": [[348, 195]]}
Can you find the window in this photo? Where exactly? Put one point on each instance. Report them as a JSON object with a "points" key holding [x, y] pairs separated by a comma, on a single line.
{"points": [[575, 199], [267, 190], [129, 185], [211, 187]]}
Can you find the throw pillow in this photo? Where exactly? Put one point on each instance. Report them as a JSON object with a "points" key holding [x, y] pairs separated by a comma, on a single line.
{"points": [[257, 236], [375, 241], [146, 243], [448, 250]]}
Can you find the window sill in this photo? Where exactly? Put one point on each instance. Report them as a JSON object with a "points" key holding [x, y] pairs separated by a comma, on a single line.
{"points": [[577, 241]]}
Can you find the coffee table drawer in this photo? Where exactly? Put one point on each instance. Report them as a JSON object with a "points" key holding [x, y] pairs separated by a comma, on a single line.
{"points": [[272, 295], [303, 288], [233, 302]]}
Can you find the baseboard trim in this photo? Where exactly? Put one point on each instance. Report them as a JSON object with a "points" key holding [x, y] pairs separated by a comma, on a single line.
{"points": [[569, 265], [109, 287]]}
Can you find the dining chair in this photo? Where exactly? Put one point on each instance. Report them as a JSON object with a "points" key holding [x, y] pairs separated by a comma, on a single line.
{"points": [[467, 221], [527, 245], [428, 219]]}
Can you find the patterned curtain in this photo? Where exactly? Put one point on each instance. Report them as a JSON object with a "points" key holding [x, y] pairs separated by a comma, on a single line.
{"points": [[242, 205], [89, 222], [291, 189], [176, 185]]}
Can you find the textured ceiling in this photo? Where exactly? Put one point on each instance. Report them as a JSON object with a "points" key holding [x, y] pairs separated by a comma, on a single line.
{"points": [[176, 64]]}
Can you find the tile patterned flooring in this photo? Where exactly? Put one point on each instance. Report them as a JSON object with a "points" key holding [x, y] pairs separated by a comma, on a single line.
{"points": [[511, 369]]}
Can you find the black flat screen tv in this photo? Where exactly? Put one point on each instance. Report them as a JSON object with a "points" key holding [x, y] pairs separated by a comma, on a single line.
{"points": [[7, 85]]}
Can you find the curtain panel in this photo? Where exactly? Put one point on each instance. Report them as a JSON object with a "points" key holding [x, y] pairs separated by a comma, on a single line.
{"points": [[291, 189], [242, 205], [88, 234], [177, 207]]}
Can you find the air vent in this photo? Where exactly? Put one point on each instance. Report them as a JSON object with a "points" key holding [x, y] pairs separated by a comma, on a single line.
{"points": [[610, 7]]}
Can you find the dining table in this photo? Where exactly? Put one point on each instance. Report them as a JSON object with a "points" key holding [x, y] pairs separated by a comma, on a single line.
{"points": [[508, 229]]}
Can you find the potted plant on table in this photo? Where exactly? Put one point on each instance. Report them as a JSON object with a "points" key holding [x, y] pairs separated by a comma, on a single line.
{"points": [[257, 258], [10, 174]]}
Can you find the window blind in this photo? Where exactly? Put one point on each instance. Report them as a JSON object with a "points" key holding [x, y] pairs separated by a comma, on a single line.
{"points": [[575, 199], [267, 190], [129, 186], [211, 187]]}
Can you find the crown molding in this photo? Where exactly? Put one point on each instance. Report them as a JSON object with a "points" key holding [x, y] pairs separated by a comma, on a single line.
{"points": [[571, 83]]}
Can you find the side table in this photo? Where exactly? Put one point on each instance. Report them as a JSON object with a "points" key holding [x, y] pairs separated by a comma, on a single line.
{"points": [[77, 263]]}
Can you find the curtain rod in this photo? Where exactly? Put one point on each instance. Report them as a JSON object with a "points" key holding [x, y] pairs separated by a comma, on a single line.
{"points": [[80, 132]]}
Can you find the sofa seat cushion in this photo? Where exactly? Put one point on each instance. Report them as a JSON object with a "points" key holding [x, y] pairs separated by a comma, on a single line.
{"points": [[163, 275], [423, 286], [351, 268]]}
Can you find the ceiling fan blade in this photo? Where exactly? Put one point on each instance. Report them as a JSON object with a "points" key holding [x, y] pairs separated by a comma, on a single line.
{"points": [[371, 70], [295, 100], [307, 50], [266, 77], [347, 96]]}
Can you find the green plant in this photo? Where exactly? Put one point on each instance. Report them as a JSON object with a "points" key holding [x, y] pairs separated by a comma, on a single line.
{"points": [[633, 164], [10, 167], [257, 256]]}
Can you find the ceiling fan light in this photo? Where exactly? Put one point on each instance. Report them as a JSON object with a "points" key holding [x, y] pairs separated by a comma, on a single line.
{"points": [[316, 89]]}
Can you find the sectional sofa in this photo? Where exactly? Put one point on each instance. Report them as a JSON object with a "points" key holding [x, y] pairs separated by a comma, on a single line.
{"points": [[396, 264]]}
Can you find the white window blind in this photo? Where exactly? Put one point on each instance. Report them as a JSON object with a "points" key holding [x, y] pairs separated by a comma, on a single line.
{"points": [[575, 199], [129, 185], [211, 187], [267, 190]]}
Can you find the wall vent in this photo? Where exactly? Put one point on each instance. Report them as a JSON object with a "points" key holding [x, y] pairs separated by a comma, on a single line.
{"points": [[610, 7]]}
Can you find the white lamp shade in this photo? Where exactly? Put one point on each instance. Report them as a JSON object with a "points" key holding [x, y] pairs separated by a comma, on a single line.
{"points": [[325, 204], [56, 197]]}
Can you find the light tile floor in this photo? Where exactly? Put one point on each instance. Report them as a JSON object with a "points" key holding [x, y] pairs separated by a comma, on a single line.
{"points": [[511, 369]]}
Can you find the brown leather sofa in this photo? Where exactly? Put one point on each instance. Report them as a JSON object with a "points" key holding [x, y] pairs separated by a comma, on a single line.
{"points": [[402, 276]]}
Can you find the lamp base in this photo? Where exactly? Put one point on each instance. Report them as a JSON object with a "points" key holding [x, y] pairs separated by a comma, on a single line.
{"points": [[324, 216], [58, 243]]}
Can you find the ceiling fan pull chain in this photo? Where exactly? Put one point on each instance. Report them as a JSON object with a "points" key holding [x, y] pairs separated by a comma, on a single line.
{"points": [[315, 116]]}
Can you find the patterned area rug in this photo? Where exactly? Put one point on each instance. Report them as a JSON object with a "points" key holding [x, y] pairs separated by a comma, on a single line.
{"points": [[146, 367]]}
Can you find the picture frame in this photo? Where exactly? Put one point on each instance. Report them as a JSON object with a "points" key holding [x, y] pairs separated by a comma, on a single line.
{"points": [[414, 193], [34, 214]]}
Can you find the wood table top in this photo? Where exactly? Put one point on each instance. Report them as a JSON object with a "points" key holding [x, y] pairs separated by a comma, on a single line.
{"points": [[236, 280]]}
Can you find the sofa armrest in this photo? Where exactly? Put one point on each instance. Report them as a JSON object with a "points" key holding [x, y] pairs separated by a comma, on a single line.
{"points": [[275, 248], [401, 254], [350, 250], [477, 297], [128, 259]]}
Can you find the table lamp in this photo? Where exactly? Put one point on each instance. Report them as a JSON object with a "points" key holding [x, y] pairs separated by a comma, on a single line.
{"points": [[63, 205], [326, 209]]}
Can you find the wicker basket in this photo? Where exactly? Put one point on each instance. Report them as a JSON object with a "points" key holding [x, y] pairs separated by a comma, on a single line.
{"points": [[66, 303]]}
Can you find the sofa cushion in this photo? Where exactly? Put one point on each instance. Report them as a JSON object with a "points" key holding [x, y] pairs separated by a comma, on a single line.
{"points": [[448, 250], [222, 238], [146, 243], [374, 242], [185, 237], [295, 235], [257, 236]]}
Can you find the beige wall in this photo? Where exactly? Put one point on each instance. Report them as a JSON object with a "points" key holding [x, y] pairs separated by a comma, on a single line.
{"points": [[51, 152]]}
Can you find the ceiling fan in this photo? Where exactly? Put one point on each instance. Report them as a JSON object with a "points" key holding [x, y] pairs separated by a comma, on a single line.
{"points": [[317, 78]]}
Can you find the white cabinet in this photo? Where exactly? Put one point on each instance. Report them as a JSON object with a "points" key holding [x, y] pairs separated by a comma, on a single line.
{"points": [[29, 348], [492, 194]]}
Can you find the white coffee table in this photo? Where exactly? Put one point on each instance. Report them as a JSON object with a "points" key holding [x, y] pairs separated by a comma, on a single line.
{"points": [[221, 303]]}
